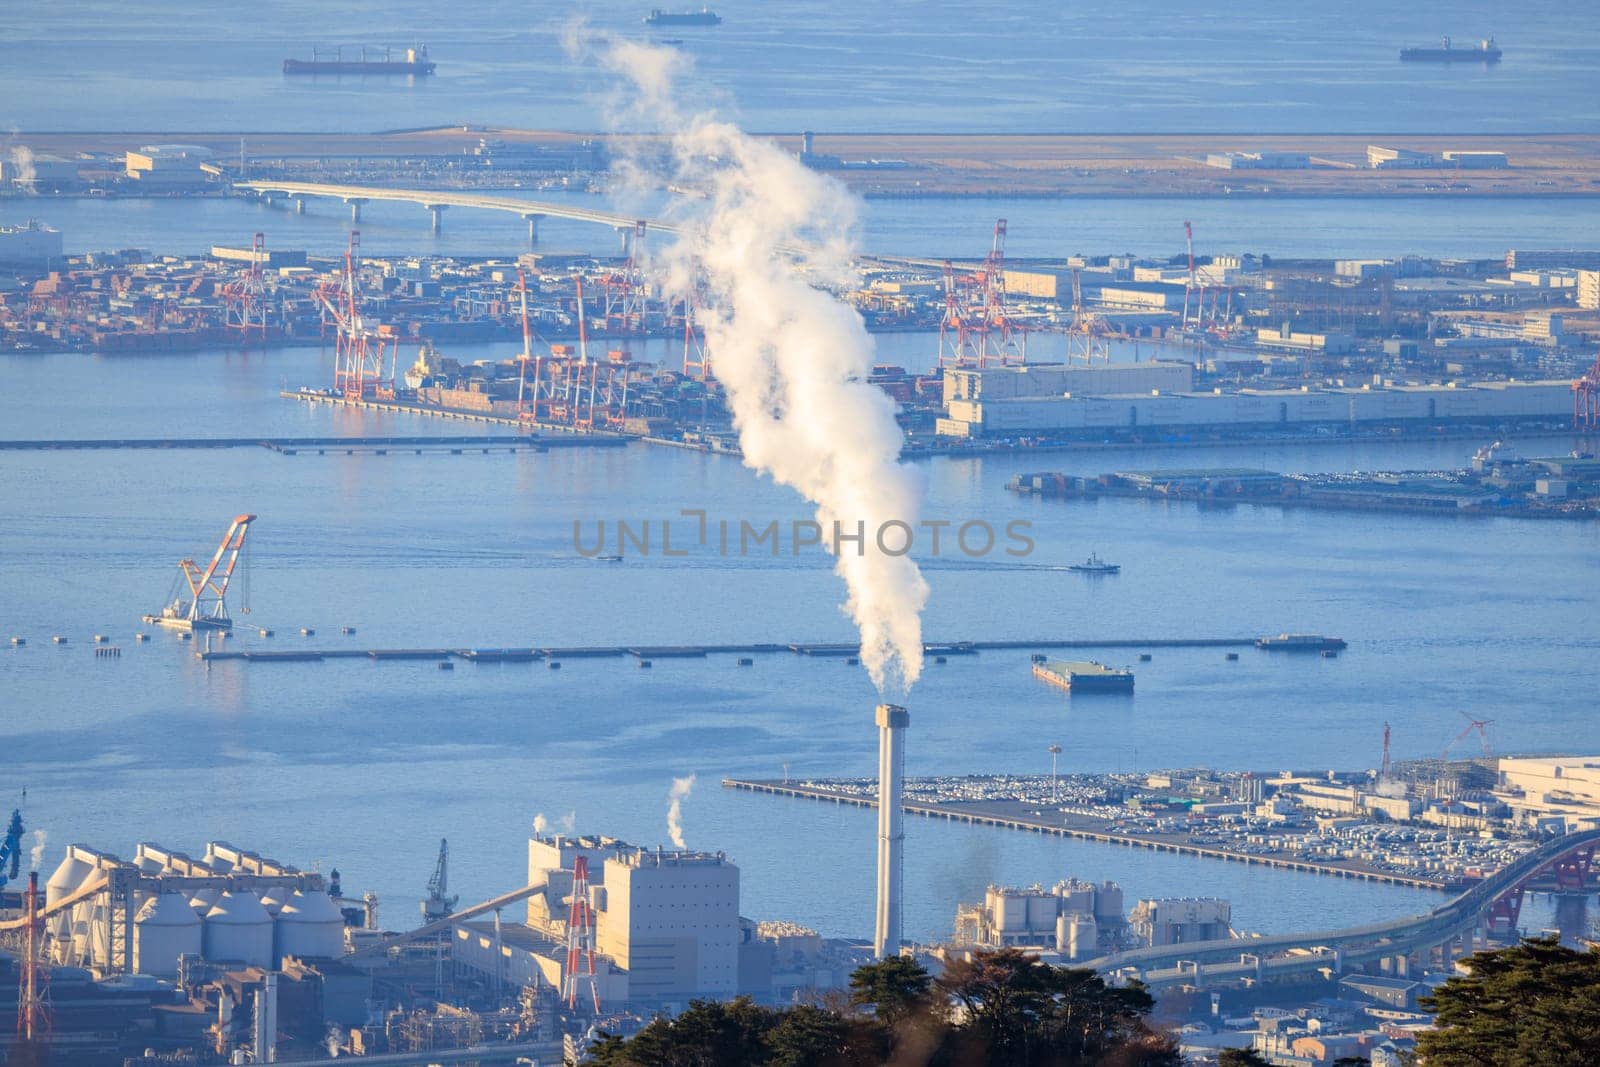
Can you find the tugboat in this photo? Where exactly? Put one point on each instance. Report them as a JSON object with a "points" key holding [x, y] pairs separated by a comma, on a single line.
{"points": [[1095, 565]]}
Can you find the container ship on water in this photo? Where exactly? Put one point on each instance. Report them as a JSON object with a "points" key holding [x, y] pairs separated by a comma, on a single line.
{"points": [[413, 61], [1486, 51], [704, 17]]}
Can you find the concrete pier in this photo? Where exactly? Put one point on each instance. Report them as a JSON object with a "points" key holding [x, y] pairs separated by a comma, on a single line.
{"points": [[991, 814]]}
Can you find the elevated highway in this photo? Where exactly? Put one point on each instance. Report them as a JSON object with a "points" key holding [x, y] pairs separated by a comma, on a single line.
{"points": [[1499, 895], [436, 200]]}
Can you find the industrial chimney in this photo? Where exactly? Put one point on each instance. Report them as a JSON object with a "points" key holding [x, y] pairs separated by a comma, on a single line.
{"points": [[892, 723]]}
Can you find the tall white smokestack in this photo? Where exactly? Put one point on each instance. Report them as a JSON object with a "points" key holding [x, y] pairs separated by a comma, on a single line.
{"points": [[892, 723]]}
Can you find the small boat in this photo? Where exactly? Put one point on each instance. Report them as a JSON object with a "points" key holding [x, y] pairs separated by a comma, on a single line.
{"points": [[609, 559], [1095, 565]]}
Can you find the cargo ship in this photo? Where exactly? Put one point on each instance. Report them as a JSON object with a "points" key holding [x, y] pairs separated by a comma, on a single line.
{"points": [[704, 17], [1486, 52], [415, 61]]}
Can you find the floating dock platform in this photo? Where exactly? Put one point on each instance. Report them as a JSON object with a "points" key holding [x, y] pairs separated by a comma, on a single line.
{"points": [[1085, 676]]}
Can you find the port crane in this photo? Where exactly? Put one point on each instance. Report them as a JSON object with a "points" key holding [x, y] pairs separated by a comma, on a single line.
{"points": [[1586, 399], [199, 597], [439, 904], [359, 349], [1472, 724], [11, 850], [245, 299], [978, 327]]}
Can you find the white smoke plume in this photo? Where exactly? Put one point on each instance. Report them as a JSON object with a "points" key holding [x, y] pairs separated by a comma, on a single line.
{"points": [[20, 158], [757, 250], [569, 823], [36, 856], [681, 788], [540, 824]]}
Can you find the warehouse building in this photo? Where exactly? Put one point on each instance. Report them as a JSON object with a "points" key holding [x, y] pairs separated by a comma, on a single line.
{"points": [[1396, 158], [1476, 160], [1380, 405], [1059, 379], [1552, 791], [1259, 160], [168, 166]]}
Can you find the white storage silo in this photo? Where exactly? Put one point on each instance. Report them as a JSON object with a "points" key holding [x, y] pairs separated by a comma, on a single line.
{"points": [[66, 879], [204, 900], [274, 898], [238, 928], [165, 928], [91, 932], [309, 925]]}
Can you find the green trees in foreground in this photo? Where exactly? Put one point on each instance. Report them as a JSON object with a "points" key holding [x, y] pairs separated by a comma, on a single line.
{"points": [[1534, 1005], [1000, 1008]]}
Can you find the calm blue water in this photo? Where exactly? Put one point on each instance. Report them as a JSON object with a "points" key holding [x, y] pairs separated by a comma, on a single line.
{"points": [[1024, 65], [1311, 227], [364, 766]]}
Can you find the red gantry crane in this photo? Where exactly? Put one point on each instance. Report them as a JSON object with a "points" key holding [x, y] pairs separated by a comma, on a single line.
{"points": [[1586, 399], [358, 370], [244, 300], [199, 597]]}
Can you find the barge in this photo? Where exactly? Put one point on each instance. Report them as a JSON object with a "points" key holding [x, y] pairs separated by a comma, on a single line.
{"points": [[1085, 676]]}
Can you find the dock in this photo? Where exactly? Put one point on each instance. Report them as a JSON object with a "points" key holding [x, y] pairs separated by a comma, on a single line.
{"points": [[815, 650], [319, 445], [404, 407], [1082, 828]]}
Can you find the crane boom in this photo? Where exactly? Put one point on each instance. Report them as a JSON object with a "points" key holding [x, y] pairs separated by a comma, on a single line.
{"points": [[206, 607]]}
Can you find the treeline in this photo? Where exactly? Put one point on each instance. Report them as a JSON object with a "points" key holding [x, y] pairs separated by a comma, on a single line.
{"points": [[1000, 1008]]}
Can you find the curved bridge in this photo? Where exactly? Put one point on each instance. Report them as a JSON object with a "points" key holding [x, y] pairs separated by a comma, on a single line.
{"points": [[1496, 898]]}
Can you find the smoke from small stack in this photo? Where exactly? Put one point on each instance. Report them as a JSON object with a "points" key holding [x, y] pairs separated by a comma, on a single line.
{"points": [[756, 251], [36, 856], [20, 156], [540, 824], [681, 788]]}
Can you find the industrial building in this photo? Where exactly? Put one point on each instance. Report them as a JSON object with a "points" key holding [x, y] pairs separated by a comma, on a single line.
{"points": [[1374, 405], [1259, 160], [232, 906], [1395, 158], [1181, 920], [169, 167], [1078, 920], [1548, 258], [1060, 379], [667, 926], [1475, 160], [1589, 290], [38, 172], [1556, 792]]}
